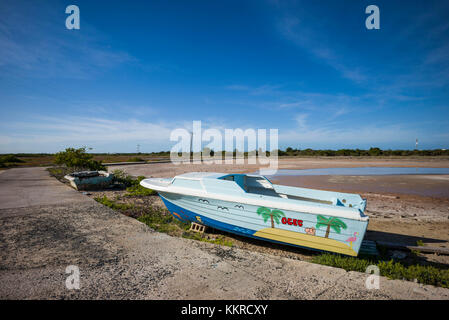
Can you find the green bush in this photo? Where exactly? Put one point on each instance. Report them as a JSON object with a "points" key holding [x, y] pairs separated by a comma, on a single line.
{"points": [[59, 172], [132, 184], [136, 159], [394, 270], [162, 221], [220, 240], [78, 159], [139, 191], [122, 177], [9, 159], [113, 205]]}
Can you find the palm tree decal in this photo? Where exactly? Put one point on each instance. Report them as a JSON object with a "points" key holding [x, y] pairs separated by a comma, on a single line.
{"points": [[274, 215], [332, 222]]}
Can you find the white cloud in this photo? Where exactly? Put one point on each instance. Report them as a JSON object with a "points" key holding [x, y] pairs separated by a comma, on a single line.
{"points": [[301, 121], [315, 44], [34, 43], [265, 89], [50, 134], [339, 137], [290, 105], [45, 133]]}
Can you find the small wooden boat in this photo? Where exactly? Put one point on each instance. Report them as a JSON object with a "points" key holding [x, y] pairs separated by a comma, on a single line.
{"points": [[251, 206]]}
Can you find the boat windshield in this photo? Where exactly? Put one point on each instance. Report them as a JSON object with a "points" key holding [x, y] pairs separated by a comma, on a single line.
{"points": [[259, 185], [253, 184]]}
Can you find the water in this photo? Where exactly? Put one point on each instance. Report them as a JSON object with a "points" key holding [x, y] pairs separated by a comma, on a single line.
{"points": [[363, 171]]}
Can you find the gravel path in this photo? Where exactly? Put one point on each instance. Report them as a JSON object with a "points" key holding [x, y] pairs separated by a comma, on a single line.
{"points": [[45, 226]]}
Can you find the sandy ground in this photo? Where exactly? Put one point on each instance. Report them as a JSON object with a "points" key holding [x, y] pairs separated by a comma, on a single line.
{"points": [[170, 169], [121, 258], [426, 186], [402, 208]]}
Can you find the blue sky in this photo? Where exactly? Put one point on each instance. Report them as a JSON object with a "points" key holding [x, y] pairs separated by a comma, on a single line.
{"points": [[136, 70]]}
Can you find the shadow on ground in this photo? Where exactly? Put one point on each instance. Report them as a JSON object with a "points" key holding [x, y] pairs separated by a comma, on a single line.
{"points": [[399, 238]]}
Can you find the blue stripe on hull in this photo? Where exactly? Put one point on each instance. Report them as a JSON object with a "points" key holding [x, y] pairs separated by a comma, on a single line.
{"points": [[187, 215], [192, 216]]}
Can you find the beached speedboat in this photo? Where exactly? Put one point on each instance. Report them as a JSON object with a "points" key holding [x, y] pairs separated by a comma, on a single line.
{"points": [[250, 205]]}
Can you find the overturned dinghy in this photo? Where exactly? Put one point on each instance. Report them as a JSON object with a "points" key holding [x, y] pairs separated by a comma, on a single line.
{"points": [[250, 205], [90, 180]]}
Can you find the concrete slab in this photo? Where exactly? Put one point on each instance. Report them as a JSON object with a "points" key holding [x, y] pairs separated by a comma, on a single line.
{"points": [[25, 187]]}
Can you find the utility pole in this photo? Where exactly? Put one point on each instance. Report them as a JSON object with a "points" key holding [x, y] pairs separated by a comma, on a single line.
{"points": [[416, 144], [138, 148], [191, 147]]}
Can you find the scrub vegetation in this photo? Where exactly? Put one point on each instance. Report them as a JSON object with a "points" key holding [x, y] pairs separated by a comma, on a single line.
{"points": [[372, 152], [221, 240], [9, 160], [132, 184], [59, 173], [112, 204], [78, 160], [162, 221], [425, 274], [136, 159], [138, 190], [72, 160], [122, 177]]}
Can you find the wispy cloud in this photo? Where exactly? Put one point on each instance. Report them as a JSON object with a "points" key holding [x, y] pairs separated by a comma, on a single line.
{"points": [[301, 121], [291, 105], [278, 97], [39, 132], [86, 129], [266, 89], [331, 135], [35, 43], [290, 27]]}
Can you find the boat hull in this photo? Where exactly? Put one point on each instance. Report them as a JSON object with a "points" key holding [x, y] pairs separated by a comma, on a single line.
{"points": [[300, 229]]}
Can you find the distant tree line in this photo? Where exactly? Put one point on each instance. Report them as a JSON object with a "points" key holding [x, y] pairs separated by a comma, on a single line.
{"points": [[8, 160], [372, 152]]}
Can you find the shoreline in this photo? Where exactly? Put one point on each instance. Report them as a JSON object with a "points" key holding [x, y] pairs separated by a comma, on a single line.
{"points": [[426, 186], [168, 169]]}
